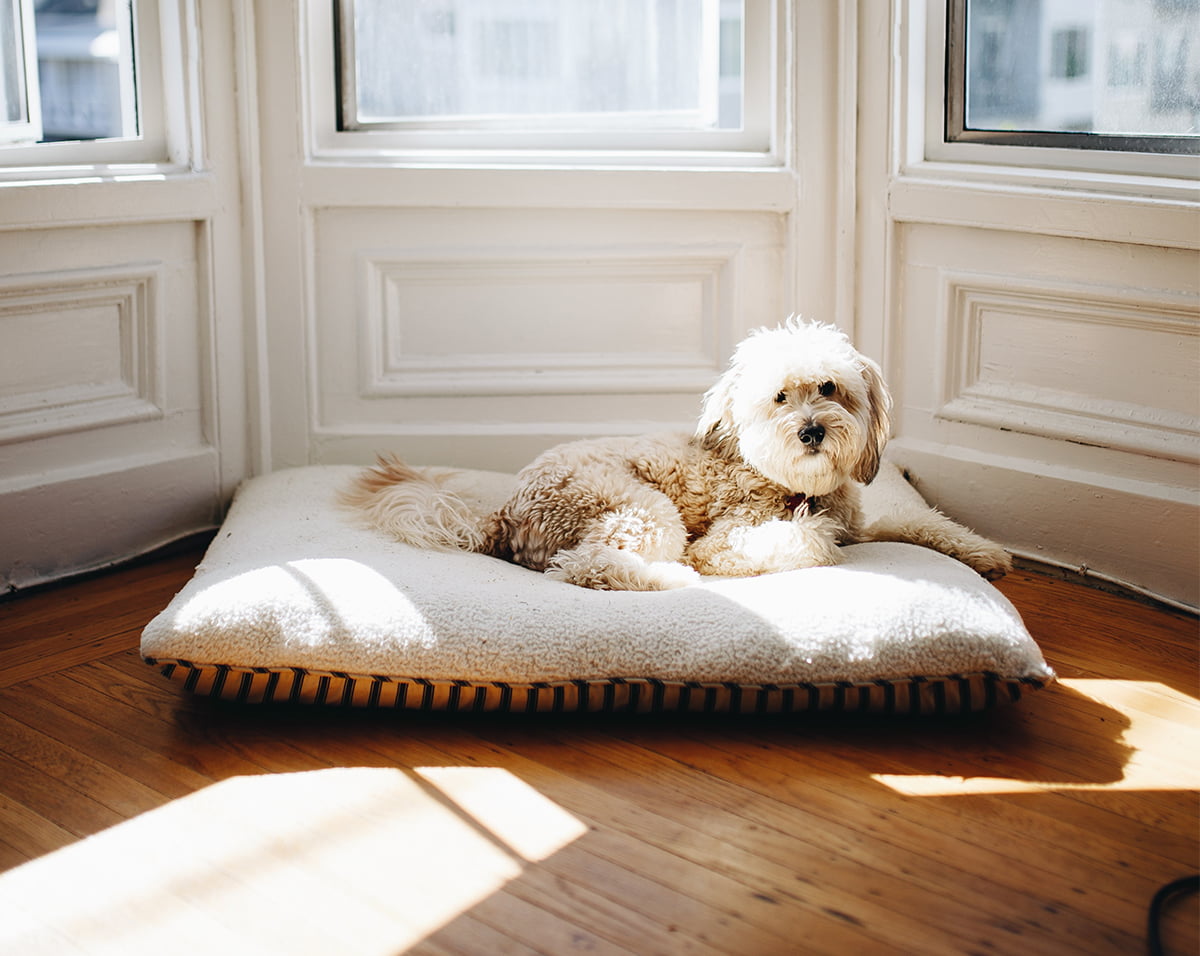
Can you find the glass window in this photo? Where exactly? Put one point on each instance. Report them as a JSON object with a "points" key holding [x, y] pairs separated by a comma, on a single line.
{"points": [[520, 65], [85, 66], [1101, 74]]}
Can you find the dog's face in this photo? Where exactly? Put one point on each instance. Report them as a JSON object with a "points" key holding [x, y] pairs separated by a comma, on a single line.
{"points": [[800, 406]]}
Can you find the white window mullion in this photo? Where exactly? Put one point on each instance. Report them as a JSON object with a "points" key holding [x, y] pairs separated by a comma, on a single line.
{"points": [[130, 120], [709, 79], [20, 103]]}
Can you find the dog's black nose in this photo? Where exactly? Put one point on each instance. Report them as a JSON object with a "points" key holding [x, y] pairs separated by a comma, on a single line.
{"points": [[812, 435]]}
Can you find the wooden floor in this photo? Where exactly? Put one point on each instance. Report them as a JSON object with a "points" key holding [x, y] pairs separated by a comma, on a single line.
{"points": [[1042, 827]]}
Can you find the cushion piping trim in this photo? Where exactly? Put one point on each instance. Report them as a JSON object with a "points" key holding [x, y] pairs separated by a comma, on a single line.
{"points": [[936, 695]]}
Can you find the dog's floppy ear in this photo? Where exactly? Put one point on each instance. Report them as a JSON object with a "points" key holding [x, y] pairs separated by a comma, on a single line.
{"points": [[879, 422], [715, 429]]}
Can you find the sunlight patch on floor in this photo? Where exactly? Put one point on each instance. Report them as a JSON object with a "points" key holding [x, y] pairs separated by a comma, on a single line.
{"points": [[346, 860], [1158, 726], [512, 811]]}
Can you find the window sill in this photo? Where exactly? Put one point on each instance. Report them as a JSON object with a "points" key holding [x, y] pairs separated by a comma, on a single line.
{"points": [[550, 185], [46, 196], [1103, 206], [1172, 178]]}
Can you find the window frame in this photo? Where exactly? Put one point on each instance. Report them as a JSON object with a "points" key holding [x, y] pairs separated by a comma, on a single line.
{"points": [[924, 151], [956, 130], [757, 144]]}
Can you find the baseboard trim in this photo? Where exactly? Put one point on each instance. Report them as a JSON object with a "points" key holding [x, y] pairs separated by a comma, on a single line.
{"points": [[1100, 582]]}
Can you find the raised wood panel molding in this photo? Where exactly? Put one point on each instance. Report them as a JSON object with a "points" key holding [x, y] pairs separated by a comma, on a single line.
{"points": [[580, 321], [1054, 360], [79, 350], [479, 338]]}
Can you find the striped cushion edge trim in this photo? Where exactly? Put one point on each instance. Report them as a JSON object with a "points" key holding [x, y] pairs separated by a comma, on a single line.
{"points": [[949, 694]]}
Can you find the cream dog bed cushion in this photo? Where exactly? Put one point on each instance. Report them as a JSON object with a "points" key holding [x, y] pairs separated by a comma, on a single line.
{"points": [[297, 600]]}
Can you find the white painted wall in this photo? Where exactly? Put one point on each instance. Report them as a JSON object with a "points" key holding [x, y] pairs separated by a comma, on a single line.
{"points": [[1040, 328], [269, 303], [122, 362]]}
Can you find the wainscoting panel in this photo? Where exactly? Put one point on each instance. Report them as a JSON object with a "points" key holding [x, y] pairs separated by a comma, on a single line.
{"points": [[478, 337], [107, 424], [543, 321], [81, 350], [1048, 393], [1052, 359]]}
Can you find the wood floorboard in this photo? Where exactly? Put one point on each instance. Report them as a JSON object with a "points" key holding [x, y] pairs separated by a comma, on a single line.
{"points": [[845, 808], [746, 853], [1044, 827], [896, 878], [1169, 813], [36, 707], [466, 934], [15, 853], [602, 806], [601, 860], [919, 851], [29, 833]]}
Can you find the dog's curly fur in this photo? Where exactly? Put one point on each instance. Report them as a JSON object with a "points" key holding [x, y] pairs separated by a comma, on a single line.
{"points": [[768, 482]]}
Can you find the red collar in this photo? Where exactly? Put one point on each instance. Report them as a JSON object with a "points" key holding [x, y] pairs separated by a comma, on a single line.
{"points": [[801, 504]]}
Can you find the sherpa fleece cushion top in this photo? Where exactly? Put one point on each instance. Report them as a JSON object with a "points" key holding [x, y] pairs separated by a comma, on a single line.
{"points": [[297, 600]]}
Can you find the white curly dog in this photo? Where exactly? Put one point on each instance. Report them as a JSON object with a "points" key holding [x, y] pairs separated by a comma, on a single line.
{"points": [[769, 481]]}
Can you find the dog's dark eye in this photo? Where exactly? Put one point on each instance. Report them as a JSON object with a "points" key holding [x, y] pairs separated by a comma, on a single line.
{"points": [[780, 398], [827, 389]]}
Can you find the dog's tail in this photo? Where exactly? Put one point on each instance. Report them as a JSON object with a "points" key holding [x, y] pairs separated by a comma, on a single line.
{"points": [[416, 506]]}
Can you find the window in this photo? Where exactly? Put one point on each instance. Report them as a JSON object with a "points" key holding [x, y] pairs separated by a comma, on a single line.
{"points": [[73, 82], [1109, 74], [86, 69], [555, 74]]}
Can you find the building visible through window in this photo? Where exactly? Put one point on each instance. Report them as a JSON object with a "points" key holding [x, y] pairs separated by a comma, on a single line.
{"points": [[85, 69], [1121, 67], [1068, 53]]}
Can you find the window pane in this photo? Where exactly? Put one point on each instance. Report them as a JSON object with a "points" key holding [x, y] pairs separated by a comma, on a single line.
{"points": [[86, 69], [1121, 67], [530, 64]]}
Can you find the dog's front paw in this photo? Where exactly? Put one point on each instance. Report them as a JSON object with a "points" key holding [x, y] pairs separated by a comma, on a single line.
{"points": [[604, 568], [671, 574], [989, 560], [746, 550], [978, 553]]}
